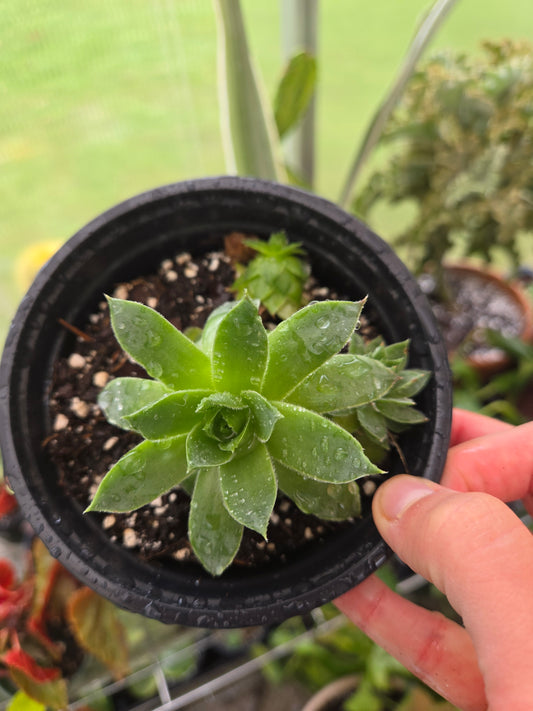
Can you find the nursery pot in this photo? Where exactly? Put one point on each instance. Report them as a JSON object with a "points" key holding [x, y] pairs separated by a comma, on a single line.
{"points": [[132, 239], [333, 695], [481, 298]]}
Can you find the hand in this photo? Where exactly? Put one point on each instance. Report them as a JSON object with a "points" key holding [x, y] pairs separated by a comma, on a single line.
{"points": [[478, 553]]}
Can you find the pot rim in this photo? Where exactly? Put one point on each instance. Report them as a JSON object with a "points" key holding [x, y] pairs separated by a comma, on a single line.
{"points": [[156, 596]]}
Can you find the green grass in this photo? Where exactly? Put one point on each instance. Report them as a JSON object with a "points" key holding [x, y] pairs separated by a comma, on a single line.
{"points": [[99, 100]]}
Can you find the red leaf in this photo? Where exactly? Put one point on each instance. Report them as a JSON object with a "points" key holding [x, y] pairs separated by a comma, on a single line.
{"points": [[8, 503], [15, 602], [7, 574], [19, 659]]}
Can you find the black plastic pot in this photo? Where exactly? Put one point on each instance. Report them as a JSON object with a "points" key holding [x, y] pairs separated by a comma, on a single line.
{"points": [[130, 240]]}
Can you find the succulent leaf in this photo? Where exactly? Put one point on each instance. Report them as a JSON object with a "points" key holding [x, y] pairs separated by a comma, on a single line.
{"points": [[277, 246], [411, 382], [243, 412], [214, 534], [306, 340], [373, 422], [210, 327], [172, 415], [240, 349], [124, 396], [131, 483], [276, 276], [264, 413], [250, 478], [164, 352], [203, 448], [334, 502], [400, 410], [393, 356], [316, 447], [344, 382]]}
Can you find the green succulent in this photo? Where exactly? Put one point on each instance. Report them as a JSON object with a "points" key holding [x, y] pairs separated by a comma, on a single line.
{"points": [[374, 423], [276, 276], [240, 414], [463, 158]]}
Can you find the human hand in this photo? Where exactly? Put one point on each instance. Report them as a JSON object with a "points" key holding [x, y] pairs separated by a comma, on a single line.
{"points": [[474, 549]]}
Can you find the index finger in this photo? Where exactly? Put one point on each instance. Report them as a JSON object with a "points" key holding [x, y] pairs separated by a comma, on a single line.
{"points": [[500, 464], [470, 425]]}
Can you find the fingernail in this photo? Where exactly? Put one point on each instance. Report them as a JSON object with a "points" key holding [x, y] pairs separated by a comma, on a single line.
{"points": [[395, 496]]}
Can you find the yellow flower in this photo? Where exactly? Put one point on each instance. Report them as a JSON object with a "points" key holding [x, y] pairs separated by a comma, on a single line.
{"points": [[31, 259]]}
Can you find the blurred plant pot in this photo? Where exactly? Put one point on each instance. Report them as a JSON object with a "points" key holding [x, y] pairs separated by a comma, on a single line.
{"points": [[130, 240], [401, 693], [332, 696], [480, 299]]}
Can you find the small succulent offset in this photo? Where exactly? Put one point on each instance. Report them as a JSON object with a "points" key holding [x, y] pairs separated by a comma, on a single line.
{"points": [[244, 412], [276, 275]]}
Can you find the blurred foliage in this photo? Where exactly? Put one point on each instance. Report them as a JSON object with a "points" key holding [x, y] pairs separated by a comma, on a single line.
{"points": [[345, 650], [501, 396], [465, 159]]}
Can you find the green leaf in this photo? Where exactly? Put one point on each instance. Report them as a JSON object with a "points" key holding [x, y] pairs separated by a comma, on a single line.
{"points": [[264, 413], [240, 349], [316, 447], [251, 144], [228, 421], [334, 502], [400, 410], [373, 422], [164, 352], [276, 276], [188, 484], [359, 346], [249, 488], [170, 416], [295, 91], [395, 355], [214, 535], [123, 396], [52, 694], [232, 429], [210, 327], [345, 381], [411, 382], [216, 401], [140, 476], [305, 341], [203, 450], [277, 246]]}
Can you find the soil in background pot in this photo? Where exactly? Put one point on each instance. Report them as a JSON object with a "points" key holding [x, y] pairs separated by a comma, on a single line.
{"points": [[478, 301]]}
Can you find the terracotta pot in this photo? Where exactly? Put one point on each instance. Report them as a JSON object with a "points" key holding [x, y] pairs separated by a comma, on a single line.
{"points": [[332, 696], [131, 240], [488, 289]]}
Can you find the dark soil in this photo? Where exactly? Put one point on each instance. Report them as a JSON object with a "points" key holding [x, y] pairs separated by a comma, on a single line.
{"points": [[84, 446], [474, 304]]}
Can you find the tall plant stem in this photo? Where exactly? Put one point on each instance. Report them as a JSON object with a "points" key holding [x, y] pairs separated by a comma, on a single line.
{"points": [[299, 19], [249, 137], [427, 29]]}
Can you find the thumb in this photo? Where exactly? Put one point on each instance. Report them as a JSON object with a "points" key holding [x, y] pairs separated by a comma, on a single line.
{"points": [[480, 555]]}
